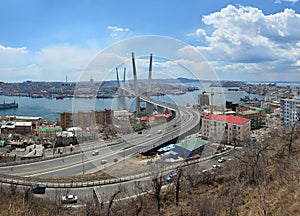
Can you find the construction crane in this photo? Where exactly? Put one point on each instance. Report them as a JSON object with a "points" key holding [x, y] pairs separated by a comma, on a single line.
{"points": [[212, 93]]}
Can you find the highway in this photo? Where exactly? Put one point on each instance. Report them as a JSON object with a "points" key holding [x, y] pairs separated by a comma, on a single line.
{"points": [[185, 120]]}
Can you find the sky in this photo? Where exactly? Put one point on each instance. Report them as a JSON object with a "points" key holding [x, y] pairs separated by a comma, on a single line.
{"points": [[257, 40]]}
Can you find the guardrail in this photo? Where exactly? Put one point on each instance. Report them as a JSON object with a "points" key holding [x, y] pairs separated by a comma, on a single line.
{"points": [[29, 181], [75, 151]]}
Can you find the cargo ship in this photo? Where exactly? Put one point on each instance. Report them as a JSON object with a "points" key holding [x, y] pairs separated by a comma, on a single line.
{"points": [[5, 105]]}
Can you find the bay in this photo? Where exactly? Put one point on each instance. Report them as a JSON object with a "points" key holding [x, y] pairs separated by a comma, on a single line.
{"points": [[50, 109]]}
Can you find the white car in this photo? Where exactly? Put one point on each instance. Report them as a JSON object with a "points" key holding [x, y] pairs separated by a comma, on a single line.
{"points": [[94, 153], [215, 166], [204, 171], [159, 131], [69, 199], [221, 160]]}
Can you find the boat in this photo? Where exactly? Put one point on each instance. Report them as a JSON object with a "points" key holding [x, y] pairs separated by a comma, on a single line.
{"points": [[248, 99], [105, 95], [233, 89], [245, 99], [5, 105], [60, 97]]}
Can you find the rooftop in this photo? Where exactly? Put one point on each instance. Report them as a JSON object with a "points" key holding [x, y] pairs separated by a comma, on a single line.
{"points": [[192, 143], [227, 118], [257, 108], [49, 129]]}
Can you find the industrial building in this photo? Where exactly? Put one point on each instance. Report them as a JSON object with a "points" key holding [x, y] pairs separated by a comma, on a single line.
{"points": [[16, 128], [188, 147], [48, 132]]}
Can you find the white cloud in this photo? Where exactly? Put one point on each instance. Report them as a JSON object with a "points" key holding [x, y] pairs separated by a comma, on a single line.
{"points": [[11, 50], [291, 1], [241, 35], [50, 63], [117, 29], [297, 63]]}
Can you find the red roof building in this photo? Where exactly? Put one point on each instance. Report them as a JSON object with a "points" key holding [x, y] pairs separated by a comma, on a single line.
{"points": [[227, 129], [227, 118]]}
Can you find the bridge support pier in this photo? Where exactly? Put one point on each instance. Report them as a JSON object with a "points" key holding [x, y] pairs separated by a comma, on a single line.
{"points": [[149, 108], [160, 109]]}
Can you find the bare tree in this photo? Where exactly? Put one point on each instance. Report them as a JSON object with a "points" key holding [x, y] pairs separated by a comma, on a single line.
{"points": [[157, 183], [177, 184], [112, 199]]}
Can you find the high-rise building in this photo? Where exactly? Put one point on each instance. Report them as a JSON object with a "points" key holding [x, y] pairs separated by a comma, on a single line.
{"points": [[203, 99], [290, 111]]}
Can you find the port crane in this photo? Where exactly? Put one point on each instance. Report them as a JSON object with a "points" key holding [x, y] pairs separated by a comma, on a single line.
{"points": [[212, 93]]}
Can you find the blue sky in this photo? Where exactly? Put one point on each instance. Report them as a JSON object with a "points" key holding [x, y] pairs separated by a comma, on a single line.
{"points": [[241, 40]]}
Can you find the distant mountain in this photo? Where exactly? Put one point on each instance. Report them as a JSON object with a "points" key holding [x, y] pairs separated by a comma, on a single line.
{"points": [[227, 84], [186, 80]]}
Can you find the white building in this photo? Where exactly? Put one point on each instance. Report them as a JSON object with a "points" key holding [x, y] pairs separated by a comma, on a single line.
{"points": [[290, 111]]}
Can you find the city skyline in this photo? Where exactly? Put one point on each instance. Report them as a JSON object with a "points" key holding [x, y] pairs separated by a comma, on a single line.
{"points": [[240, 40]]}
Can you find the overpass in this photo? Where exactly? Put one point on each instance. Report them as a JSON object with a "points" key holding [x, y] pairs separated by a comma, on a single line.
{"points": [[82, 161]]}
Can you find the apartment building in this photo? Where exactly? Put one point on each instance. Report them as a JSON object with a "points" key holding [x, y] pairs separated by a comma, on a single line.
{"points": [[227, 129], [86, 119], [290, 111], [257, 115]]}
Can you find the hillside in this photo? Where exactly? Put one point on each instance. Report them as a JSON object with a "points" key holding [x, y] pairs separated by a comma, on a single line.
{"points": [[260, 180]]}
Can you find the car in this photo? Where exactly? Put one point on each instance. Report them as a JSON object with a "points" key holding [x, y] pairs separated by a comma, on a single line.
{"points": [[69, 199], [148, 135], [115, 159], [226, 148], [204, 171], [221, 160], [12, 148], [159, 131], [215, 166], [103, 161], [170, 177], [38, 188], [174, 125], [94, 153], [139, 132]]}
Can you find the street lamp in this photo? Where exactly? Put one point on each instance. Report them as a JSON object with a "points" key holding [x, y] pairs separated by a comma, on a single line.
{"points": [[82, 163]]}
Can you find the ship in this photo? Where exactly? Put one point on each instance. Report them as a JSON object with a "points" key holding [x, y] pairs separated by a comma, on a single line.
{"points": [[248, 99], [5, 105], [60, 97], [233, 89]]}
